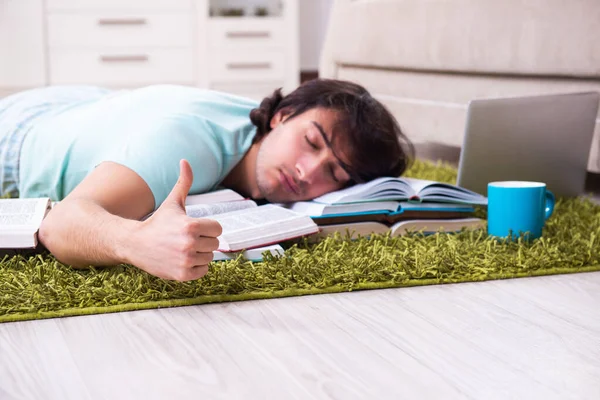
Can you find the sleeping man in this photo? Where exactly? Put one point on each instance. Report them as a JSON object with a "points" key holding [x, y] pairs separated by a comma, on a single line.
{"points": [[112, 157]]}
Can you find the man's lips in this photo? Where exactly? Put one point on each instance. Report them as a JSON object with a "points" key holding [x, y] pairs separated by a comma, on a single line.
{"points": [[288, 183]]}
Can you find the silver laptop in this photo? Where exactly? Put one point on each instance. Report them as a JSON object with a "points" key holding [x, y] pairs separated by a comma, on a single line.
{"points": [[539, 138]]}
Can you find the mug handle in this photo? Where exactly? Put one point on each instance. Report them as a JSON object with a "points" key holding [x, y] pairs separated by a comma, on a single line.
{"points": [[549, 204]]}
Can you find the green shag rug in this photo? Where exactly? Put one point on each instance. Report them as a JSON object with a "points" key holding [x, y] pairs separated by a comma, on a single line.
{"points": [[40, 287]]}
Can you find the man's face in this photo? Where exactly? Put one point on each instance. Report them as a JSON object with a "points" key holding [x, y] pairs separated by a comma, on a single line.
{"points": [[295, 162]]}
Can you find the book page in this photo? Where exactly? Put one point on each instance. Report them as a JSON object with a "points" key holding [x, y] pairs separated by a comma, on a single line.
{"points": [[305, 207], [16, 220], [418, 184], [18, 206], [20, 220], [266, 215], [352, 192], [19, 213], [217, 196], [205, 210], [385, 188], [444, 192], [261, 226]]}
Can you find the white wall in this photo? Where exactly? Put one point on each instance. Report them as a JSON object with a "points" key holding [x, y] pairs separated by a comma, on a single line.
{"points": [[314, 15], [21, 44]]}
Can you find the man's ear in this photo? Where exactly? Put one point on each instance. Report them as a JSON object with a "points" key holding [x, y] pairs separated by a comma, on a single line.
{"points": [[278, 118]]}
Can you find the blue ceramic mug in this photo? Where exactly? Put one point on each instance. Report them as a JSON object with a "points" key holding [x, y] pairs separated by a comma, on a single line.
{"points": [[519, 207]]}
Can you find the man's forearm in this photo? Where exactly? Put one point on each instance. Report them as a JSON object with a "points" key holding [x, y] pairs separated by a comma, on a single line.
{"points": [[81, 233]]}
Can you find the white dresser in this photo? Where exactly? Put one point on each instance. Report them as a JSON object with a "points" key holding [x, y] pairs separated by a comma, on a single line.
{"points": [[132, 43]]}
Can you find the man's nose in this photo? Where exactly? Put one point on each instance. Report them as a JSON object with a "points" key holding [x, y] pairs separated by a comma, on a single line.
{"points": [[308, 171]]}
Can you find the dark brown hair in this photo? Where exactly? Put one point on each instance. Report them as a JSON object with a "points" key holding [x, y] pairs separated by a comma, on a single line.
{"points": [[373, 141]]}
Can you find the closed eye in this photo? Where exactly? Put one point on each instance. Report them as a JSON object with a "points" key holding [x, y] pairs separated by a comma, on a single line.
{"points": [[311, 144], [332, 173], [331, 170]]}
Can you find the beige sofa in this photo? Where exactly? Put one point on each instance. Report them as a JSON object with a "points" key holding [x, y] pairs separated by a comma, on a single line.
{"points": [[425, 59]]}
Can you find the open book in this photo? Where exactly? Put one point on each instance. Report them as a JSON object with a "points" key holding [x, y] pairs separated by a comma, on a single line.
{"points": [[426, 226], [403, 189], [261, 226], [247, 225], [20, 220]]}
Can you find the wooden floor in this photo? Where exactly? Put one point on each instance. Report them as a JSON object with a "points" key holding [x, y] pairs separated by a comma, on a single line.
{"points": [[535, 338]]}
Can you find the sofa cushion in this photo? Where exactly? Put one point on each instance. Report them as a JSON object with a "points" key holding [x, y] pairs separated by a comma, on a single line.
{"points": [[531, 37]]}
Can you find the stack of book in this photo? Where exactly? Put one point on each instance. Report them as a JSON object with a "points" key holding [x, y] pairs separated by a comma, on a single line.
{"points": [[395, 205]]}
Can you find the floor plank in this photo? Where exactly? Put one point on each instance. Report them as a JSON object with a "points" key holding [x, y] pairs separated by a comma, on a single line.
{"points": [[535, 338], [35, 362]]}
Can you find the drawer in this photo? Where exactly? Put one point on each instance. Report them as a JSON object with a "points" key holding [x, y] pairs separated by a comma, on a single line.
{"points": [[247, 66], [234, 33], [121, 68], [144, 5], [120, 30]]}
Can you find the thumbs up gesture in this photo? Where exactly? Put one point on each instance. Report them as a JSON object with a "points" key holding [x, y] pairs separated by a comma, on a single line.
{"points": [[179, 247]]}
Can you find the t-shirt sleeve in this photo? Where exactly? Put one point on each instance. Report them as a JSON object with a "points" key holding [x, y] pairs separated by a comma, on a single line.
{"points": [[154, 154]]}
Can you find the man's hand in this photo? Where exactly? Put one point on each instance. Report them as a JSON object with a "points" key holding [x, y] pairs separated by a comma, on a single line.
{"points": [[98, 223], [177, 246]]}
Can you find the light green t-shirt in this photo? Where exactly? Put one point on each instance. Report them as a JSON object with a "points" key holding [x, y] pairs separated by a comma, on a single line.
{"points": [[148, 130]]}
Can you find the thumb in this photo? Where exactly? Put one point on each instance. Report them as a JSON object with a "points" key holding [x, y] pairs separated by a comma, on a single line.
{"points": [[182, 187]]}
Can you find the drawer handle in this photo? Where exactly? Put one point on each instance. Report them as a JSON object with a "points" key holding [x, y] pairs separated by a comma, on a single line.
{"points": [[248, 34], [122, 21], [132, 58], [258, 65]]}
